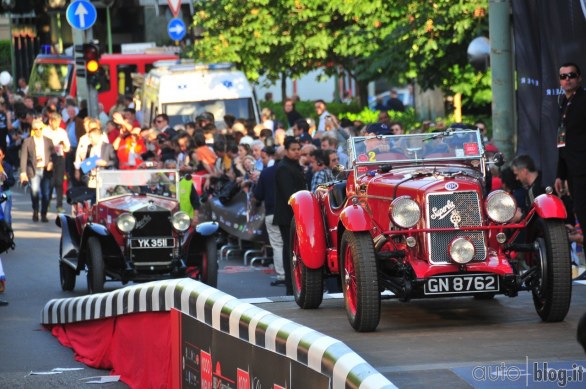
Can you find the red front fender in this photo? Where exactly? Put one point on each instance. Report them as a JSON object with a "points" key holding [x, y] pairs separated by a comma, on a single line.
{"points": [[355, 218], [550, 207], [309, 229]]}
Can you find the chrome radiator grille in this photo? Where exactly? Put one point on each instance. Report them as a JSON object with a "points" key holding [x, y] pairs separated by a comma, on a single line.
{"points": [[453, 210]]}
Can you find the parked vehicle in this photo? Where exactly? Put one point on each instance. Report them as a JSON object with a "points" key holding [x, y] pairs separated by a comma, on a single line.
{"points": [[131, 229], [55, 75], [183, 90], [413, 216]]}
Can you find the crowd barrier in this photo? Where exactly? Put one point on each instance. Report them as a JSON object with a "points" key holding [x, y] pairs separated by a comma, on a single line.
{"points": [[130, 331]]}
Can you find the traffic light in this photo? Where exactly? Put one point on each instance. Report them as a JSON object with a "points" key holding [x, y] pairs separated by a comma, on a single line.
{"points": [[87, 61], [91, 56]]}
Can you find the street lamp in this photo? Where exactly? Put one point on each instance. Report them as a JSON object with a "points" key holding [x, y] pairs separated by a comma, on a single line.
{"points": [[8, 5], [108, 4]]}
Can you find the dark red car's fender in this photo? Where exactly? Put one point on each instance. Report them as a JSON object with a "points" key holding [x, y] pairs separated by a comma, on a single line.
{"points": [[309, 229], [355, 218], [549, 206]]}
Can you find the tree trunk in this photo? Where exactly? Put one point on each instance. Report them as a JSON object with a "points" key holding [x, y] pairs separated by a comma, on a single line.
{"points": [[283, 86], [362, 91]]}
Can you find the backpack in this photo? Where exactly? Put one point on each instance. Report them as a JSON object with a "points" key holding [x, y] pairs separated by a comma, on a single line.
{"points": [[6, 232], [6, 237]]}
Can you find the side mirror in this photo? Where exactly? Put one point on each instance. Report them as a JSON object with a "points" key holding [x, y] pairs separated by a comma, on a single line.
{"points": [[498, 159]]}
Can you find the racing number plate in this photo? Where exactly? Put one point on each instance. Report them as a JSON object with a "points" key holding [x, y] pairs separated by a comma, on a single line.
{"points": [[464, 283], [152, 243]]}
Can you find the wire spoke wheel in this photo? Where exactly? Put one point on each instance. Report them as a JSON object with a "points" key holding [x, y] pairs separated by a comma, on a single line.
{"points": [[360, 281], [307, 283]]}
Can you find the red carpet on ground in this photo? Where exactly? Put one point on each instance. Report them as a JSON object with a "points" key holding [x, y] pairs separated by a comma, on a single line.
{"points": [[136, 346]]}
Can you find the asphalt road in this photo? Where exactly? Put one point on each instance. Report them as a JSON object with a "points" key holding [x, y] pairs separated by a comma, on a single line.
{"points": [[440, 343]]}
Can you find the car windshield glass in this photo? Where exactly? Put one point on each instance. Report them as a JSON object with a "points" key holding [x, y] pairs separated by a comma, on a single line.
{"points": [[180, 113], [50, 79], [112, 183], [448, 145]]}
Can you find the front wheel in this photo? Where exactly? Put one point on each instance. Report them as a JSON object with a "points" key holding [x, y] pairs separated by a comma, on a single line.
{"points": [[307, 283], [95, 274], [210, 263], [552, 285], [360, 281]]}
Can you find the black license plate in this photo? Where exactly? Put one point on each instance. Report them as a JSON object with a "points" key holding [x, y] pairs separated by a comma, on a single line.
{"points": [[462, 283], [152, 243]]}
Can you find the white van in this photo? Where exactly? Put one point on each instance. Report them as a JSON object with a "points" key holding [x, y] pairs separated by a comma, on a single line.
{"points": [[183, 90]]}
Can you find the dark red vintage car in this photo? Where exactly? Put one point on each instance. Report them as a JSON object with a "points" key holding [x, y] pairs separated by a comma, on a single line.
{"points": [[134, 232], [413, 216]]}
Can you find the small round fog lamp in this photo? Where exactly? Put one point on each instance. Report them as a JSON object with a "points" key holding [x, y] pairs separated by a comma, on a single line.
{"points": [[461, 250]]}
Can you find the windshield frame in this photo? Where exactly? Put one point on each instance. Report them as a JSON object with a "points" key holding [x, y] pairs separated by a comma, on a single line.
{"points": [[135, 182], [474, 148]]}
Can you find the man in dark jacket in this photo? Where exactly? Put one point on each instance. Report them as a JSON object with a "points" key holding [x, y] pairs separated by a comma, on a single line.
{"points": [[289, 179], [572, 139]]}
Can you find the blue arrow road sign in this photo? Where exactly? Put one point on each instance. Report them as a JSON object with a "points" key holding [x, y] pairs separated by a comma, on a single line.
{"points": [[176, 29], [81, 14]]}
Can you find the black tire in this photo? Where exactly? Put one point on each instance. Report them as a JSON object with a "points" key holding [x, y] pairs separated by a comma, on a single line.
{"points": [[358, 272], [95, 274], [67, 276], [552, 286], [209, 271], [307, 283]]}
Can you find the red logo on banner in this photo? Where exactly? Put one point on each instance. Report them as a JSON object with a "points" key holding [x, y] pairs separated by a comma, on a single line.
{"points": [[471, 149], [243, 379], [175, 6], [206, 370]]}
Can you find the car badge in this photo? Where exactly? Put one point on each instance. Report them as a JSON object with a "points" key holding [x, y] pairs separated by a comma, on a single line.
{"points": [[143, 222], [152, 207], [362, 158], [440, 213], [451, 185], [456, 219]]}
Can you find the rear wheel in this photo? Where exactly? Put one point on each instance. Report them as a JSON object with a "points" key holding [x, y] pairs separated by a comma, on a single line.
{"points": [[307, 283], [360, 281], [552, 284], [67, 276], [209, 273], [95, 275]]}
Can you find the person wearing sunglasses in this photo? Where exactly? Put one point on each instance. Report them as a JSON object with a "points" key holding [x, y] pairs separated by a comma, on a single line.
{"points": [[36, 168], [571, 140]]}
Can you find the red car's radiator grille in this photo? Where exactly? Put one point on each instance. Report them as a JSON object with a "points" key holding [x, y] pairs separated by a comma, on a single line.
{"points": [[453, 210]]}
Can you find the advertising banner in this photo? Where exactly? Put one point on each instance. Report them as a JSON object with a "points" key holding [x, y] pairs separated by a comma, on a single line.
{"points": [[208, 358], [546, 35]]}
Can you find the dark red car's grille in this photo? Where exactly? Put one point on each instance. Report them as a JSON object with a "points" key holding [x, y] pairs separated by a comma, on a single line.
{"points": [[453, 210]]}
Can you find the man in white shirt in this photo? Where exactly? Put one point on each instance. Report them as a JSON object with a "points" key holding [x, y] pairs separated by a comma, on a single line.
{"points": [[62, 146]]}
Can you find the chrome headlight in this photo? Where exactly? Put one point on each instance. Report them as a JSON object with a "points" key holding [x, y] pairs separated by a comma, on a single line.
{"points": [[181, 221], [126, 222], [461, 250], [500, 206], [405, 212]]}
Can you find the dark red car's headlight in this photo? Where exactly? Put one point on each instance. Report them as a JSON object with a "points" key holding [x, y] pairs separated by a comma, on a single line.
{"points": [[126, 223]]}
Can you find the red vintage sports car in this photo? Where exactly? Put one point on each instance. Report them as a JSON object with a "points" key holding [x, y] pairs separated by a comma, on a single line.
{"points": [[413, 216], [130, 228]]}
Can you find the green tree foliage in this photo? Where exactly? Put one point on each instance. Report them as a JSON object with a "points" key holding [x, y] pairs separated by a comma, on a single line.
{"points": [[400, 40]]}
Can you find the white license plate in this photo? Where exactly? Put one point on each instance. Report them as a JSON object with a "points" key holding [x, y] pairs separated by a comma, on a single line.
{"points": [[465, 283], [152, 243]]}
